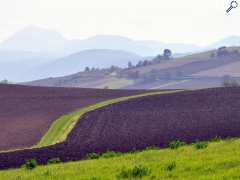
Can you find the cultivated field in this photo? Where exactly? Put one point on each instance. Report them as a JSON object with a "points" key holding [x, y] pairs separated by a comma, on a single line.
{"points": [[26, 113], [143, 122]]}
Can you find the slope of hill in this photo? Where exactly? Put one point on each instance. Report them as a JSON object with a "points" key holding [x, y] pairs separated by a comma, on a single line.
{"points": [[188, 116], [199, 70], [97, 58], [26, 113], [219, 160]]}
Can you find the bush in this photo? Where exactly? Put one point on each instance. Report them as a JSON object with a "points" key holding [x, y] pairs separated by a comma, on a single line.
{"points": [[30, 164], [92, 156], [54, 161], [111, 154], [171, 166], [136, 172], [230, 83], [201, 145], [152, 148], [176, 144]]}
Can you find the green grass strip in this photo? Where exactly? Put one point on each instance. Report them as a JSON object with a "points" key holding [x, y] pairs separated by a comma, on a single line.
{"points": [[60, 129]]}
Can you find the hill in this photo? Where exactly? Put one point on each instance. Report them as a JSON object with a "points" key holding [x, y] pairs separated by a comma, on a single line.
{"points": [[98, 58], [219, 160], [188, 116], [26, 113], [200, 70]]}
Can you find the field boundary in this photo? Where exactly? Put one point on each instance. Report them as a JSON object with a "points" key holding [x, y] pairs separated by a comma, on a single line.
{"points": [[62, 126]]}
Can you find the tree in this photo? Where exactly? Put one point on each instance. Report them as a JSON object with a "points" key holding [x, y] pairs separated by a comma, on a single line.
{"points": [[5, 81], [130, 65], [167, 54], [158, 58], [222, 52], [139, 64], [87, 69]]}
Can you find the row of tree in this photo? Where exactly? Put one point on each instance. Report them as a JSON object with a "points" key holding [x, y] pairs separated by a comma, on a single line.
{"points": [[167, 55]]}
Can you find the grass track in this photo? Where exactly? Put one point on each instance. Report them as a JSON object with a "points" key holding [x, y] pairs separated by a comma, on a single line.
{"points": [[60, 129], [220, 160]]}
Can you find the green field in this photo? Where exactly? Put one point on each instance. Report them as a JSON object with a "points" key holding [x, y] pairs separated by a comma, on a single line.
{"points": [[116, 83], [60, 129], [219, 160]]}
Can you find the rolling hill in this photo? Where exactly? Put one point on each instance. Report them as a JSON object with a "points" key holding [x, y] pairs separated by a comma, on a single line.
{"points": [[120, 126], [97, 58], [200, 70], [26, 113]]}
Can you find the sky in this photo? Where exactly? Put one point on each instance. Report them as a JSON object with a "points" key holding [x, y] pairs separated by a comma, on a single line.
{"points": [[173, 21]]}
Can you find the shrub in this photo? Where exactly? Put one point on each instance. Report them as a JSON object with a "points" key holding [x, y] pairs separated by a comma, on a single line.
{"points": [[92, 156], [152, 148], [111, 154], [54, 161], [171, 166], [136, 172], [30, 164], [201, 145], [176, 144]]}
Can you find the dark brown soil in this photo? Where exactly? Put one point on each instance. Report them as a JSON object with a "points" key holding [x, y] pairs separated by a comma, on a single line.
{"points": [[147, 121], [26, 113]]}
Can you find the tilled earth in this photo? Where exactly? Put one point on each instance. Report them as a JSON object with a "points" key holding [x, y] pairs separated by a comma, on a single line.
{"points": [[26, 113], [143, 122]]}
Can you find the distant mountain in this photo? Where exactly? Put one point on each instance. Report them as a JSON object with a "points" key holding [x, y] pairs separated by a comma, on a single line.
{"points": [[15, 65], [34, 39], [97, 58]]}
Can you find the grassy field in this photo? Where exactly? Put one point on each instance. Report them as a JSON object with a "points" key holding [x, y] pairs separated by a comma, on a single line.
{"points": [[219, 160], [116, 83], [62, 127]]}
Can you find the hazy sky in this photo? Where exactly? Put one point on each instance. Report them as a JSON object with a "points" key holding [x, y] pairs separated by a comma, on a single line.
{"points": [[185, 21]]}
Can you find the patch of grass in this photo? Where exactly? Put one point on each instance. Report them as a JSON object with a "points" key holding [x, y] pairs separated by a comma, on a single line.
{"points": [[176, 144], [201, 145], [54, 161], [136, 172], [93, 156], [111, 154], [30, 164], [171, 166], [61, 127]]}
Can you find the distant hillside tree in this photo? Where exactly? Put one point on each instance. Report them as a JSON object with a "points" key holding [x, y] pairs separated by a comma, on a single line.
{"points": [[130, 65], [87, 69], [158, 59], [222, 52], [5, 81], [167, 54], [139, 64]]}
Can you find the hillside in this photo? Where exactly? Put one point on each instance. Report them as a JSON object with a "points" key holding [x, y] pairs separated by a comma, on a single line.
{"points": [[97, 58], [219, 160], [200, 70], [190, 116], [26, 113]]}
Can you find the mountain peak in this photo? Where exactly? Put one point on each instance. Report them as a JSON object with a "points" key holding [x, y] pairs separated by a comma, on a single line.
{"points": [[36, 39]]}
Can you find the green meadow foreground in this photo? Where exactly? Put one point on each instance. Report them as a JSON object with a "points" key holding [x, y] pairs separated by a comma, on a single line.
{"points": [[217, 160]]}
